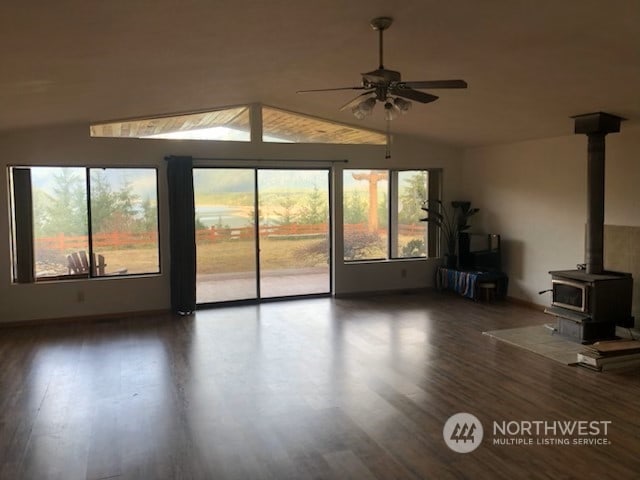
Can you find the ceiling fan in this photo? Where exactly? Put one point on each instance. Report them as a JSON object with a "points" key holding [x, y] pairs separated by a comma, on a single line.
{"points": [[386, 86]]}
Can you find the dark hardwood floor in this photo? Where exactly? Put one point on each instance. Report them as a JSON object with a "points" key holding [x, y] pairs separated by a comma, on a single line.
{"points": [[323, 388]]}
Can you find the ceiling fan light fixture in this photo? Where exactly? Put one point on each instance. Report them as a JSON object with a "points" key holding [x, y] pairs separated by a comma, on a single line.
{"points": [[402, 105], [390, 111], [366, 107], [359, 114]]}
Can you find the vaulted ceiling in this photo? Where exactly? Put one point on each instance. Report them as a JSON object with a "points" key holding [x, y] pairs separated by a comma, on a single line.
{"points": [[529, 65]]}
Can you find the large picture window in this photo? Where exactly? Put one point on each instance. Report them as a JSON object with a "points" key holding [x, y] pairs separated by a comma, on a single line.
{"points": [[76, 222], [381, 214]]}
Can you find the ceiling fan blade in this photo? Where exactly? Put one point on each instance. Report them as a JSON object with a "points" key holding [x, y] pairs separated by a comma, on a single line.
{"points": [[413, 95], [331, 89], [357, 100], [428, 84]]}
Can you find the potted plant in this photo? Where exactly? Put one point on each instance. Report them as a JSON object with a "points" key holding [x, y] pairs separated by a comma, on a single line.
{"points": [[451, 221]]}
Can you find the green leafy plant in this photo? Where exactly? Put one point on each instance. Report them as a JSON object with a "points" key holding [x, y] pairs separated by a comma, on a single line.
{"points": [[450, 220], [414, 248]]}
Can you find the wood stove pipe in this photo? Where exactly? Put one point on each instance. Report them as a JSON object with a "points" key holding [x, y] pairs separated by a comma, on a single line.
{"points": [[595, 126], [594, 243]]}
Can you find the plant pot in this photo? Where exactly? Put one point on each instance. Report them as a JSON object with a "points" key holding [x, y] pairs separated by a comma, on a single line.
{"points": [[450, 261]]}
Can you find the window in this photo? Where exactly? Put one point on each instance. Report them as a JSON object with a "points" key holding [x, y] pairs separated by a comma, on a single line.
{"points": [[71, 222], [235, 124], [411, 192], [381, 214], [365, 214], [281, 126], [228, 124]]}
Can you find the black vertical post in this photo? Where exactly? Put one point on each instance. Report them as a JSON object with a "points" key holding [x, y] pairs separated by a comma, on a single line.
{"points": [[594, 242], [595, 126], [182, 238]]}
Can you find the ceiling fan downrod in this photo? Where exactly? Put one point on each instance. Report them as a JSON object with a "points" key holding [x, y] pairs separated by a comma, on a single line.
{"points": [[380, 24]]}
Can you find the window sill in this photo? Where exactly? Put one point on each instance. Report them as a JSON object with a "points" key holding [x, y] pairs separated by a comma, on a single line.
{"points": [[387, 260], [84, 277]]}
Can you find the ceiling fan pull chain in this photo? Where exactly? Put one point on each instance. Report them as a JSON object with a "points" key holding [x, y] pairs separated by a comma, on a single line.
{"points": [[387, 153]]}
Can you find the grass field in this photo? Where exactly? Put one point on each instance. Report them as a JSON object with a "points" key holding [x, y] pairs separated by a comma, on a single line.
{"points": [[239, 256], [217, 257]]}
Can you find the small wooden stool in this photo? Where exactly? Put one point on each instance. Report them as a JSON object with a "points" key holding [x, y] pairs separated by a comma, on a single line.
{"points": [[487, 290]]}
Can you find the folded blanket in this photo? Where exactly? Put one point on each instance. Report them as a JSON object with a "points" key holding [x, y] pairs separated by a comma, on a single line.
{"points": [[463, 283]]}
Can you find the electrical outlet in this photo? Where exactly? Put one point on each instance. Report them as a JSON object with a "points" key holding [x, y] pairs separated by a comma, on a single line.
{"points": [[80, 296], [403, 273]]}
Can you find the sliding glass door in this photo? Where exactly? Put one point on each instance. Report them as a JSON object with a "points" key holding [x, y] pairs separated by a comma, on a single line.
{"points": [[225, 234], [294, 232], [261, 233]]}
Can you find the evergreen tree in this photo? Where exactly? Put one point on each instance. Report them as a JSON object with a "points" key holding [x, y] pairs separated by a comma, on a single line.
{"points": [[355, 208], [102, 201], [124, 216], [149, 220], [41, 201], [252, 217], [315, 209], [287, 216], [114, 211], [413, 194], [199, 224], [383, 210], [66, 209], [126, 200]]}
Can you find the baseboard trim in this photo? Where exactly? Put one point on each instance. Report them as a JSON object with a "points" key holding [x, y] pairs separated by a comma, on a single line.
{"points": [[85, 318]]}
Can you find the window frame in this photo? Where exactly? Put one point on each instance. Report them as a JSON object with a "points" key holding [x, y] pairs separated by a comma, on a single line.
{"points": [[431, 235], [29, 261]]}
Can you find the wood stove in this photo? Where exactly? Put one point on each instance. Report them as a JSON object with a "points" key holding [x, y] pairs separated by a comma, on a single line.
{"points": [[589, 306], [589, 302]]}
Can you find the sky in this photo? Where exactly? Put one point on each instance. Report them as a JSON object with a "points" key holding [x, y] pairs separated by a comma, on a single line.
{"points": [[143, 181], [234, 180]]}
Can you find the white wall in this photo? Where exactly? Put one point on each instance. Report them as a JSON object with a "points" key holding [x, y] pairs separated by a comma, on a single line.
{"points": [[534, 194], [71, 145]]}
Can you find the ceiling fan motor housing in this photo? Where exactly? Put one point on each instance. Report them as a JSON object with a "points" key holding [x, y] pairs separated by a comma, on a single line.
{"points": [[380, 76]]}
